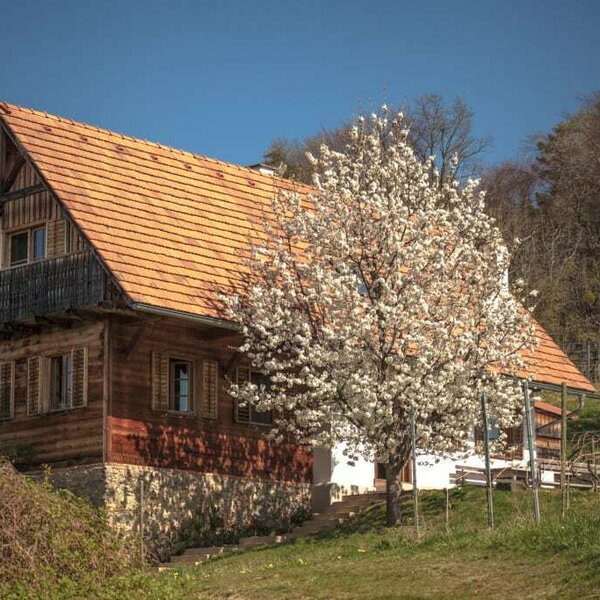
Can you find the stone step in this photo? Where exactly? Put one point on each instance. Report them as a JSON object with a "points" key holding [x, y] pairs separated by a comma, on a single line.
{"points": [[349, 507], [309, 529], [260, 540], [337, 517], [327, 520], [212, 550], [191, 559]]}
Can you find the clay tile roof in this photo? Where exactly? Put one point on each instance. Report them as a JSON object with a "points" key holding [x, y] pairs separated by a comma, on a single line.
{"points": [[174, 228], [550, 408]]}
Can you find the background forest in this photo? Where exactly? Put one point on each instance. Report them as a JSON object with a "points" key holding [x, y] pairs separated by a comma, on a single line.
{"points": [[546, 201]]}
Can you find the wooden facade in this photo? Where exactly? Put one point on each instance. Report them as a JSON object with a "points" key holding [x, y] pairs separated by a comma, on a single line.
{"points": [[140, 433], [59, 437], [62, 309], [119, 424]]}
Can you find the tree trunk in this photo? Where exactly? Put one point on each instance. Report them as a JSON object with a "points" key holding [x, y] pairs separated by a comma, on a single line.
{"points": [[393, 469]]}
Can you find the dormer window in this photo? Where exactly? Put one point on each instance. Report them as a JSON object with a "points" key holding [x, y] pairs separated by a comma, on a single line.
{"points": [[27, 246]]}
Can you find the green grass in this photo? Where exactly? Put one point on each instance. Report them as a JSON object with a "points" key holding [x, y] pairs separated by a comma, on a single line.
{"points": [[368, 560]]}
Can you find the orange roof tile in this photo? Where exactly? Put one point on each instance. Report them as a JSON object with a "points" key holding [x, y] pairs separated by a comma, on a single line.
{"points": [[174, 228], [550, 408]]}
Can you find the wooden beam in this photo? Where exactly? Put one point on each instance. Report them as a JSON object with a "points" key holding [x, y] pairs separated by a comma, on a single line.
{"points": [[54, 320], [12, 175], [135, 340], [32, 189], [232, 362]]}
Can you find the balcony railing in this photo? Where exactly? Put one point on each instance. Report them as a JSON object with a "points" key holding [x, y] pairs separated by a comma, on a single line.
{"points": [[50, 286]]}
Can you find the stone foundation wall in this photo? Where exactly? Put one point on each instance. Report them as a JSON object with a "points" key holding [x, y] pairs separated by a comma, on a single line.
{"points": [[89, 482], [179, 508]]}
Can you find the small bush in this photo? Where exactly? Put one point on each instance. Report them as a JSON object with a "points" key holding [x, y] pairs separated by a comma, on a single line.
{"points": [[48, 538]]}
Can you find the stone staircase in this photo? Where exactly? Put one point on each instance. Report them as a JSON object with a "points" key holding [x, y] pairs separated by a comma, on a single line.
{"points": [[328, 519]]}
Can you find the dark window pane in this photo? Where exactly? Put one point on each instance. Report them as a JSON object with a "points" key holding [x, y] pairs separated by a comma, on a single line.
{"points": [[261, 417], [180, 386], [56, 382], [18, 248], [257, 416], [39, 243]]}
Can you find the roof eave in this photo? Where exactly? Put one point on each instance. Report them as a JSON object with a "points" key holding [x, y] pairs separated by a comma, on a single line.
{"points": [[170, 312]]}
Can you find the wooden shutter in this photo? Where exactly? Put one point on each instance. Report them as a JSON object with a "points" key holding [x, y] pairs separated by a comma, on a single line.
{"points": [[7, 390], [79, 389], [209, 400], [242, 413], [160, 381], [55, 233], [34, 385], [72, 240]]}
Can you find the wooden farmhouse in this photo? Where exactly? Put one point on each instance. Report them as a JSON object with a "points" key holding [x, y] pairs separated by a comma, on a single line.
{"points": [[115, 356]]}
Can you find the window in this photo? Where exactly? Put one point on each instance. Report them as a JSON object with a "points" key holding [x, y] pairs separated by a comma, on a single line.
{"points": [[180, 379], [58, 382], [27, 246], [184, 385], [61, 382], [248, 413]]}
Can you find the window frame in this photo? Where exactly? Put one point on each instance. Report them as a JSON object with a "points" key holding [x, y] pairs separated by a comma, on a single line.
{"points": [[66, 382], [30, 233], [251, 408], [9, 248], [173, 360]]}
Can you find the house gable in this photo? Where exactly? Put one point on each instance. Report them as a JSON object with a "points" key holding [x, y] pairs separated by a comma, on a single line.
{"points": [[28, 204]]}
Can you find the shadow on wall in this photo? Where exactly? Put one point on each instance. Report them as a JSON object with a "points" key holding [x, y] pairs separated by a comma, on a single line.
{"points": [[202, 446]]}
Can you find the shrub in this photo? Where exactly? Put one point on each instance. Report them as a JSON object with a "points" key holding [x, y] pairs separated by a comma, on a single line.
{"points": [[48, 537]]}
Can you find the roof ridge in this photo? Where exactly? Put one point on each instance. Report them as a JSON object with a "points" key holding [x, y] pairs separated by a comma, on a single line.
{"points": [[7, 107]]}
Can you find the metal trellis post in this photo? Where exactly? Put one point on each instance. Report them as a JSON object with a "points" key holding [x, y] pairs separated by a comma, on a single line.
{"points": [[531, 445], [563, 451], [488, 467], [413, 435]]}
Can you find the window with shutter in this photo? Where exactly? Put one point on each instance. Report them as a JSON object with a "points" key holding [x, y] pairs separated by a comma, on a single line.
{"points": [[7, 390], [247, 413], [160, 381], [34, 404], [208, 405], [79, 377]]}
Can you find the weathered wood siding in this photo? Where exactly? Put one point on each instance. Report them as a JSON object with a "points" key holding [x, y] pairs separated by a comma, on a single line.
{"points": [[548, 434], [36, 209], [69, 437], [140, 435]]}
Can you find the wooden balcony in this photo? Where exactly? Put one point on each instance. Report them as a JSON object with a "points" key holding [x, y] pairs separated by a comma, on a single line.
{"points": [[51, 286]]}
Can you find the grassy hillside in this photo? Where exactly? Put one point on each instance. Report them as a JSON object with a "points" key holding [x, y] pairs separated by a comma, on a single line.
{"points": [[52, 544], [368, 560]]}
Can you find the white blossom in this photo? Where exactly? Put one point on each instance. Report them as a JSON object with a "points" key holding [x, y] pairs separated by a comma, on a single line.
{"points": [[380, 294]]}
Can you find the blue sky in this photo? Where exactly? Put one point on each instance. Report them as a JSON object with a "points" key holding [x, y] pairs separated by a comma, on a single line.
{"points": [[225, 78]]}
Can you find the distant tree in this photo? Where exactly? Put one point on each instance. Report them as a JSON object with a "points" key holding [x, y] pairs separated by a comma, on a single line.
{"points": [[381, 296], [445, 130], [552, 204], [436, 128]]}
